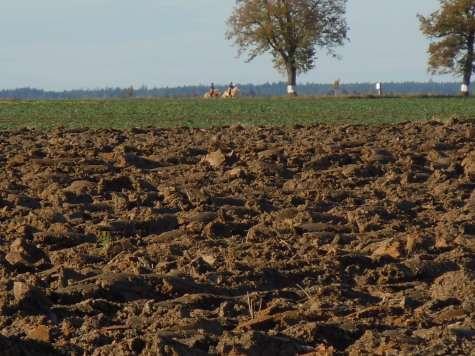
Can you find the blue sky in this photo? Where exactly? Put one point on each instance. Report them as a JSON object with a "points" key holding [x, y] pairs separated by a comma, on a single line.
{"points": [[66, 44]]}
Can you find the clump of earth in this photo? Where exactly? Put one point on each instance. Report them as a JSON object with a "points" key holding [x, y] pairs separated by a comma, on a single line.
{"points": [[318, 240]]}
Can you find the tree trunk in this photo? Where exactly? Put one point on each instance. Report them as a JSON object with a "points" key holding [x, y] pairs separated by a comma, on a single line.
{"points": [[468, 67], [291, 80]]}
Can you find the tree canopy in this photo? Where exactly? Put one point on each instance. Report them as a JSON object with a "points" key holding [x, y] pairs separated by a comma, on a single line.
{"points": [[292, 31], [452, 29]]}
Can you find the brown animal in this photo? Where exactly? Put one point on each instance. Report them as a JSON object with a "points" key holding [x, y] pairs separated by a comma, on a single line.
{"points": [[215, 93]]}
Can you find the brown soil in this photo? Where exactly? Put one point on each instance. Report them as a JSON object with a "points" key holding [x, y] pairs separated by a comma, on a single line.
{"points": [[322, 240]]}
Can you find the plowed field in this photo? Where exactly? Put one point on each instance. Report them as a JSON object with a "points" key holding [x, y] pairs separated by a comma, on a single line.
{"points": [[316, 240]]}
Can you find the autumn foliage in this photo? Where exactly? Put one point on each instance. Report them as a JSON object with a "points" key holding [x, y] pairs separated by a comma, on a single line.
{"points": [[292, 31], [452, 29]]}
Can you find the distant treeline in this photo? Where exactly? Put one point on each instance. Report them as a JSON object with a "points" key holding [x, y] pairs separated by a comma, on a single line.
{"points": [[267, 89]]}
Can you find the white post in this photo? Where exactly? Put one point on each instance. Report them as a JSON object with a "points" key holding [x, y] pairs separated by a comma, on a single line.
{"points": [[379, 88], [464, 89], [291, 89]]}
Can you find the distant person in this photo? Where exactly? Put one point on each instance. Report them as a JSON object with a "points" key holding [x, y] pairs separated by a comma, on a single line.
{"points": [[211, 90], [230, 88]]}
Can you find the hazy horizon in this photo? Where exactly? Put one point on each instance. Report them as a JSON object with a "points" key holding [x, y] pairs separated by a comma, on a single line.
{"points": [[217, 84], [88, 44]]}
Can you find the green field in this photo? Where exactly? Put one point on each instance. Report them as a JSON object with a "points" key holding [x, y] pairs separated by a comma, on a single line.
{"points": [[206, 113]]}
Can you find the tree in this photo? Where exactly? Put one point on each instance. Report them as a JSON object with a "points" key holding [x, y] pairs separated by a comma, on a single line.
{"points": [[290, 30], [129, 92], [452, 28]]}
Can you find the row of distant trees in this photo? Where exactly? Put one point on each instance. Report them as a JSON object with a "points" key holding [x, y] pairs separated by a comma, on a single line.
{"points": [[267, 89], [295, 31]]}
